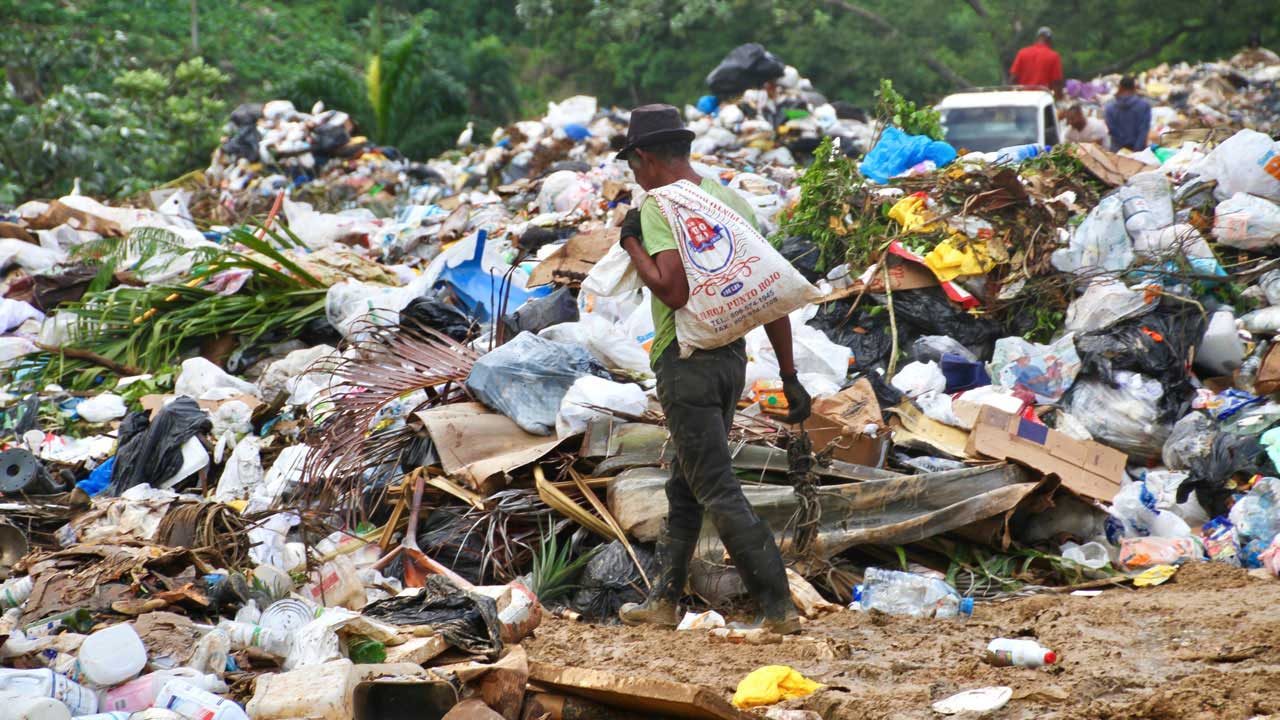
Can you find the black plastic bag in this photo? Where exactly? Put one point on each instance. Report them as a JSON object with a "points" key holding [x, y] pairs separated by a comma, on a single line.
{"points": [[611, 580], [930, 312], [466, 620], [329, 139], [803, 256], [1156, 345], [540, 313], [151, 451], [745, 67], [1212, 476], [865, 333], [246, 114], [243, 144], [434, 312]]}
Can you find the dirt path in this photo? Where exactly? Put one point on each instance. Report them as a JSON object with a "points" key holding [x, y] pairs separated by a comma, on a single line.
{"points": [[1204, 645]]}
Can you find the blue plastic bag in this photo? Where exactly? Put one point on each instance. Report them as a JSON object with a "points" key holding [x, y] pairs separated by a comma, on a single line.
{"points": [[576, 132], [897, 152], [99, 478]]}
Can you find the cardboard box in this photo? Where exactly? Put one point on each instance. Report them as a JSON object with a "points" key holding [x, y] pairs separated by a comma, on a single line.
{"points": [[1086, 468]]}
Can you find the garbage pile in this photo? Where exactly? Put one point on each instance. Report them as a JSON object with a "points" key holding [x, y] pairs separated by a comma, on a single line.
{"points": [[321, 464]]}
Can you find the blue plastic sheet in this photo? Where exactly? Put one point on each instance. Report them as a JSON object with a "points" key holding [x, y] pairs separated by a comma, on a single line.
{"points": [[481, 292], [897, 152]]}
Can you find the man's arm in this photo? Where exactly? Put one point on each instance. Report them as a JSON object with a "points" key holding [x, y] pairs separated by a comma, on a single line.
{"points": [[1015, 68], [779, 332], [662, 273]]}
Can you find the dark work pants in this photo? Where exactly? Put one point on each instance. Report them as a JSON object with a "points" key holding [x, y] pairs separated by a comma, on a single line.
{"points": [[699, 396]]}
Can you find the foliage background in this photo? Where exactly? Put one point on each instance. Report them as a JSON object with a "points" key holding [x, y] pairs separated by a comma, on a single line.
{"points": [[108, 91]]}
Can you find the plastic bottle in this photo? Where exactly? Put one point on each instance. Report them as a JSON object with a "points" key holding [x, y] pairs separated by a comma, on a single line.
{"points": [[46, 683], [211, 653], [15, 591], [141, 693], [79, 620], [1247, 376], [364, 651], [902, 593], [1004, 652], [245, 635], [24, 707], [1017, 153], [112, 655], [106, 716], [193, 703]]}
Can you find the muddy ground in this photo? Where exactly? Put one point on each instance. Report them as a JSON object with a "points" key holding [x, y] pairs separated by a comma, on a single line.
{"points": [[1204, 645]]}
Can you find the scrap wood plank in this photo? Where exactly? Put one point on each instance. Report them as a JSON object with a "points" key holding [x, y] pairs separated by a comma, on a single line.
{"points": [[654, 697]]}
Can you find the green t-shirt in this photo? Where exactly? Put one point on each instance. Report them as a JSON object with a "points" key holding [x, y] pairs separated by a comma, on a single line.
{"points": [[658, 236]]}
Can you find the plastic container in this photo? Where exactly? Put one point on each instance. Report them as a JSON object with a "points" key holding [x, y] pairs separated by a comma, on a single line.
{"points": [[903, 593], [14, 592], [112, 656], [1017, 153], [193, 703], [24, 707], [1221, 350], [287, 615], [1091, 555], [1004, 652], [46, 683], [245, 635], [141, 693], [338, 585]]}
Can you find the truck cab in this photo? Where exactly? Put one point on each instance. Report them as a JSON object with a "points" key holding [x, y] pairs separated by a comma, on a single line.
{"points": [[988, 119]]}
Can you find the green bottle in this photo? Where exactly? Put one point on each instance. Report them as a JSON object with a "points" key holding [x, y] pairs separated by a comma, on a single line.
{"points": [[364, 651], [79, 620]]}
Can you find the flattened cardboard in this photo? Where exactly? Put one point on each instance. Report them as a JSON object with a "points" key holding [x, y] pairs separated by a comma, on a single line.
{"points": [[573, 260], [655, 697], [1268, 380], [1086, 468], [475, 444]]}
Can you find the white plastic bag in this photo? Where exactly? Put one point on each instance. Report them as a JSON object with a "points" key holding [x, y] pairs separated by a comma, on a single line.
{"points": [[1103, 304], [588, 392], [613, 275], [1044, 371], [1247, 162], [1247, 222], [577, 110], [101, 408], [15, 312], [351, 301], [1099, 244], [202, 380], [609, 343], [737, 280], [919, 378], [1126, 417], [242, 473]]}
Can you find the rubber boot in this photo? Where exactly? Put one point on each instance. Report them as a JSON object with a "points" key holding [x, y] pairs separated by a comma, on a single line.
{"points": [[661, 607], [759, 563]]}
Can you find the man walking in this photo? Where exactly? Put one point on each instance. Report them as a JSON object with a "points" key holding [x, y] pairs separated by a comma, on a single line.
{"points": [[1128, 117], [699, 394], [1082, 129], [1039, 64]]}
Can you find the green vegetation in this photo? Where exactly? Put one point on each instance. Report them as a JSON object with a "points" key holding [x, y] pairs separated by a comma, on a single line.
{"points": [[555, 568], [893, 109], [122, 95]]}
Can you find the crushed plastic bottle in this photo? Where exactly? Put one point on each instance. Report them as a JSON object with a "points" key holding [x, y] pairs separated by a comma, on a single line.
{"points": [[903, 593], [15, 591]]}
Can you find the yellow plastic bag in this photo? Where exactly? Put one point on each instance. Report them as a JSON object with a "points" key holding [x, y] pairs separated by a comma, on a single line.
{"points": [[948, 261], [912, 213], [771, 684]]}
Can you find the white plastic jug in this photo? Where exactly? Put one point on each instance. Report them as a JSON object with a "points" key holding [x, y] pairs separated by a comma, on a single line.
{"points": [[46, 683], [193, 703], [111, 656], [23, 707]]}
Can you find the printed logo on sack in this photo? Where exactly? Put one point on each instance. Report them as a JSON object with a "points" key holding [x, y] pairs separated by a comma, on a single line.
{"points": [[710, 246], [731, 289]]}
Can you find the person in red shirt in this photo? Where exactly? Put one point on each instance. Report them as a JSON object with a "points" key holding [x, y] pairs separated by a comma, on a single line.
{"points": [[1039, 64]]}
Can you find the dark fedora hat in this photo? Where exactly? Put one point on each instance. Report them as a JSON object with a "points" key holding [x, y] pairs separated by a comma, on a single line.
{"points": [[653, 125]]}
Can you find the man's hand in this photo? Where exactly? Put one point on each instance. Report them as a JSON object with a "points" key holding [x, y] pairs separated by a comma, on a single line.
{"points": [[631, 225], [798, 402]]}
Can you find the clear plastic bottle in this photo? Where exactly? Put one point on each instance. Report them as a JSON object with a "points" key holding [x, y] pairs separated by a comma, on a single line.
{"points": [[15, 591], [193, 703], [246, 635], [141, 693], [1004, 652], [903, 593]]}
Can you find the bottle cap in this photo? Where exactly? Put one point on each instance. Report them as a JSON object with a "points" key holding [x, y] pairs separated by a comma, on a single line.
{"points": [[857, 593], [1050, 657], [966, 606]]}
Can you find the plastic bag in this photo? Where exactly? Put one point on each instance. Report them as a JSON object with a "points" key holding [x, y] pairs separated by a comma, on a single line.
{"points": [[1099, 244], [203, 380], [1145, 552], [1039, 373], [15, 312], [1125, 417], [896, 152], [1135, 512], [772, 684], [737, 281], [1148, 201], [101, 408], [577, 110], [588, 393], [151, 451], [1231, 460], [612, 275], [434, 311], [466, 620], [321, 230], [803, 256], [867, 336], [919, 378], [932, 347], [1247, 162], [745, 67], [609, 343], [527, 378], [610, 580], [351, 302], [929, 312], [1247, 222], [1191, 440], [1256, 515], [1103, 304], [242, 473], [541, 313]]}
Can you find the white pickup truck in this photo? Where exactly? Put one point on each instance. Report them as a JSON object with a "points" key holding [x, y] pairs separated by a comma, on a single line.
{"points": [[986, 120]]}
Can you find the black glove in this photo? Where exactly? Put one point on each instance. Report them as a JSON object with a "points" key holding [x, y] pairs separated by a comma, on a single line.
{"points": [[631, 225], [798, 403]]}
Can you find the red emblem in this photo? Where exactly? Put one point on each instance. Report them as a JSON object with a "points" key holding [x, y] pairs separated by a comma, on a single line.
{"points": [[702, 236]]}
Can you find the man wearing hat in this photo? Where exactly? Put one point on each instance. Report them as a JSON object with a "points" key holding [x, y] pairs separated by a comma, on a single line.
{"points": [[1039, 64], [699, 394]]}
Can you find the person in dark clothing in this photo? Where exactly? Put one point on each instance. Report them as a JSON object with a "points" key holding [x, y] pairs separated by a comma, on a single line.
{"points": [[1128, 117], [699, 394]]}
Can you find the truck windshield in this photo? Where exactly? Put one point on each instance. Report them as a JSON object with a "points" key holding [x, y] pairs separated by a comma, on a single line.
{"points": [[987, 129]]}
